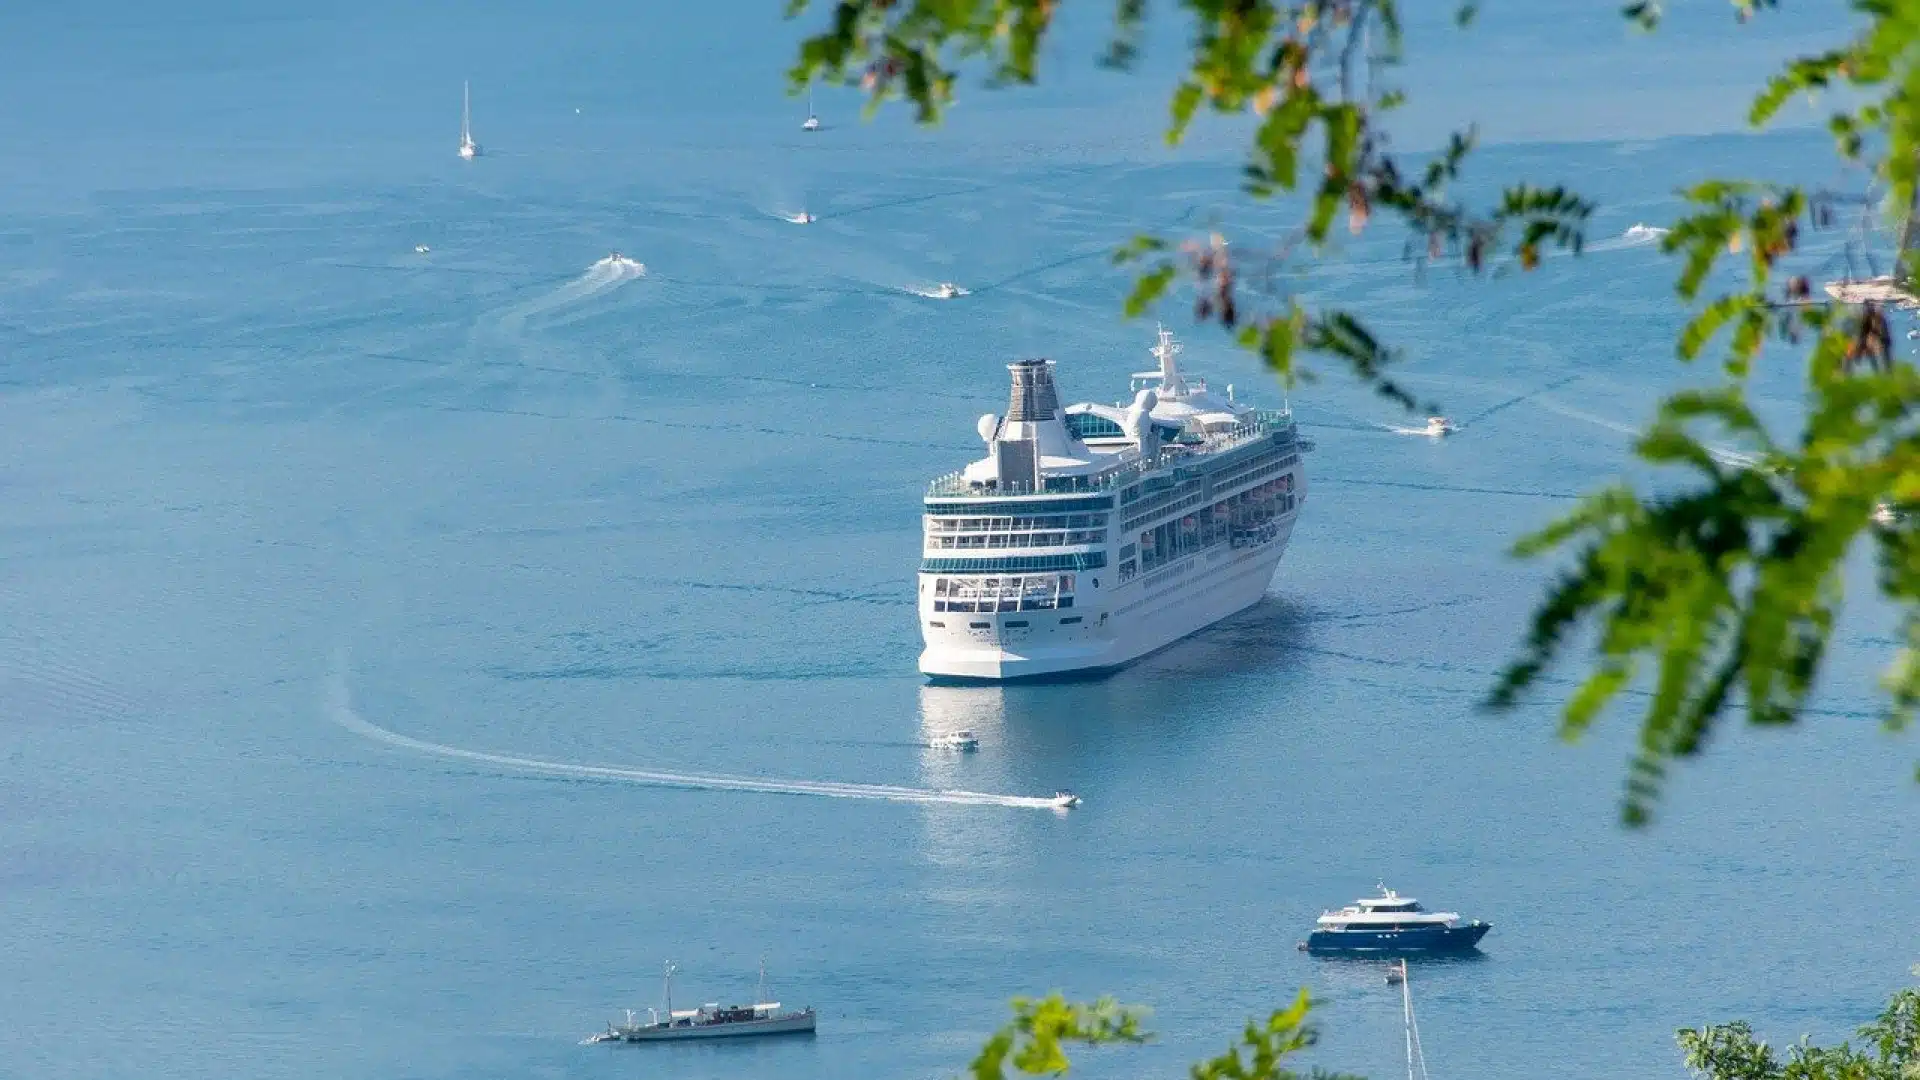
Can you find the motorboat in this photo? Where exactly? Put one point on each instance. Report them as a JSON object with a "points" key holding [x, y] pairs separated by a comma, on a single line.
{"points": [[1640, 232], [1065, 800], [1438, 426], [947, 290], [957, 740], [709, 1021], [1392, 923], [421, 249]]}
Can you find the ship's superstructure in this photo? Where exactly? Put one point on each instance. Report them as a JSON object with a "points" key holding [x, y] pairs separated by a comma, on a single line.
{"points": [[1092, 535]]}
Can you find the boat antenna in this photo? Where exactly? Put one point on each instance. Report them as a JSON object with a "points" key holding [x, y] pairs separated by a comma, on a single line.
{"points": [[760, 993], [667, 991]]}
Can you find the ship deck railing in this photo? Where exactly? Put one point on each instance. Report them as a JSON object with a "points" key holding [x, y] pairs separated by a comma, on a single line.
{"points": [[1263, 424]]}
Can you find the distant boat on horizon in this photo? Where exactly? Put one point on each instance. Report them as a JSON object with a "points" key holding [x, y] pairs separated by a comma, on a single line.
{"points": [[468, 148], [812, 122]]}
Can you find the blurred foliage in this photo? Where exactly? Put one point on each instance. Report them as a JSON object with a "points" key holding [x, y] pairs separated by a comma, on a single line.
{"points": [[1892, 1051], [1034, 1043], [1704, 599]]}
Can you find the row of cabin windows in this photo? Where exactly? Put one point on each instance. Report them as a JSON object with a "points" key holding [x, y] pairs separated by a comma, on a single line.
{"points": [[1032, 593], [1025, 603], [1014, 564], [1016, 540], [1231, 519], [1021, 524], [977, 507], [1140, 515], [939, 624]]}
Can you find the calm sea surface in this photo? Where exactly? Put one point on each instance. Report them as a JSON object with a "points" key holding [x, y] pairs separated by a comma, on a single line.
{"points": [[270, 480]]}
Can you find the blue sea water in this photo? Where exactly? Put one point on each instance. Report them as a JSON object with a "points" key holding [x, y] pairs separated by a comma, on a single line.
{"points": [[269, 474]]}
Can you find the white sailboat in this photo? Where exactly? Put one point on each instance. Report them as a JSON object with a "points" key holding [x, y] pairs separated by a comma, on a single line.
{"points": [[468, 148], [812, 122]]}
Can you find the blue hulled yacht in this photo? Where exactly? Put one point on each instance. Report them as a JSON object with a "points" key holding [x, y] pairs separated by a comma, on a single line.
{"points": [[1391, 923]]}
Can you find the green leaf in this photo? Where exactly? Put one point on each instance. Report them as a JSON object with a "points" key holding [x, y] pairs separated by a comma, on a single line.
{"points": [[1149, 288]]}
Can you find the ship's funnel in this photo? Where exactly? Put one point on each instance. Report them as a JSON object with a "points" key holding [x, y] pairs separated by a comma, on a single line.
{"points": [[1033, 397]]}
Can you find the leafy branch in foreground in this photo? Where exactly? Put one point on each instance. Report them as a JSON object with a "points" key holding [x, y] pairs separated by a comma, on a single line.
{"points": [[1730, 1052], [1034, 1042], [1306, 69], [1725, 593], [1715, 596]]}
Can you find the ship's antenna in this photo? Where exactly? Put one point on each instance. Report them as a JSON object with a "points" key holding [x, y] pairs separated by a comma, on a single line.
{"points": [[760, 994]]}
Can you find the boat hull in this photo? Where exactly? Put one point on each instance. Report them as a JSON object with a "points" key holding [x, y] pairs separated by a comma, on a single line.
{"points": [[1141, 617], [1430, 939], [800, 1024]]}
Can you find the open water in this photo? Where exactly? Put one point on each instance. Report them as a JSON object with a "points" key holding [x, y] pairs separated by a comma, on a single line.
{"points": [[403, 654]]}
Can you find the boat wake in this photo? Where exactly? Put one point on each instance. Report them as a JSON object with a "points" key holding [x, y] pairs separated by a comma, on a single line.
{"points": [[1637, 235], [340, 709], [607, 273], [946, 290]]}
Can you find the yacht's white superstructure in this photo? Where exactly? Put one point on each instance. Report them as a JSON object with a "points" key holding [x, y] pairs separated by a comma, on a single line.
{"points": [[1092, 535]]}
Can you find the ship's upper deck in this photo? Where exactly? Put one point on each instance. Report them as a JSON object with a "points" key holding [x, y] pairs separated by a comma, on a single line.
{"points": [[1172, 427]]}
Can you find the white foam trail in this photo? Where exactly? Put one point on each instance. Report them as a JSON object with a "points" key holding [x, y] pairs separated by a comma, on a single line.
{"points": [[342, 712], [1722, 455], [604, 274], [1635, 236]]}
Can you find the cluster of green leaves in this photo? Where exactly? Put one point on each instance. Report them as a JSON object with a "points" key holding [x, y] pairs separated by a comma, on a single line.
{"points": [[1034, 1042], [1892, 1051], [1305, 68], [1721, 595], [1725, 592]]}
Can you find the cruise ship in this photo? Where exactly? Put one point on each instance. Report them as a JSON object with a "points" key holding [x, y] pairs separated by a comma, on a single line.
{"points": [[1091, 535]]}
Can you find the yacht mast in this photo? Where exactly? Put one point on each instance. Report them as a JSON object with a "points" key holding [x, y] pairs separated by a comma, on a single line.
{"points": [[466, 112], [1414, 1050]]}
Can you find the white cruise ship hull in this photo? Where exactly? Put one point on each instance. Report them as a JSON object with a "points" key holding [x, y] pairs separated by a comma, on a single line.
{"points": [[1147, 614]]}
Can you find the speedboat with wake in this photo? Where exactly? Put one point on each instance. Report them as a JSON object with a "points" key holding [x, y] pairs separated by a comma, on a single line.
{"points": [[946, 290], [957, 740], [1391, 923], [1065, 800], [1438, 426]]}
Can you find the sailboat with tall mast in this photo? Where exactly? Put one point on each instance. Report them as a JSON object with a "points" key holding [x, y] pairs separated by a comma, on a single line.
{"points": [[468, 148], [812, 122], [710, 1021]]}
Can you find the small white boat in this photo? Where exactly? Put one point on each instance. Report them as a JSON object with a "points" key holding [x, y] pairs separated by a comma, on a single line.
{"points": [[421, 249], [947, 290], [468, 148], [812, 122], [1065, 799], [957, 740], [1638, 232], [804, 218], [1438, 426]]}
